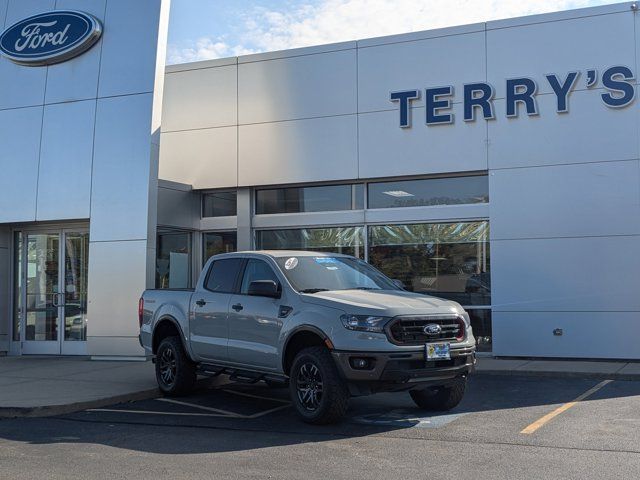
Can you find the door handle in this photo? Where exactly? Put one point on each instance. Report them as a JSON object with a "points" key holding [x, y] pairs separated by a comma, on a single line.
{"points": [[201, 303], [57, 302], [237, 307]]}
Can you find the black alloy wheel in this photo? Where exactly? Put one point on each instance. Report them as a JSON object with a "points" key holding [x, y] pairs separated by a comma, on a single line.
{"points": [[318, 393], [309, 386], [175, 371]]}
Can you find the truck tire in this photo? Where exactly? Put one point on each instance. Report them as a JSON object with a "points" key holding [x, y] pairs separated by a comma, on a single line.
{"points": [[318, 393], [175, 372], [440, 399]]}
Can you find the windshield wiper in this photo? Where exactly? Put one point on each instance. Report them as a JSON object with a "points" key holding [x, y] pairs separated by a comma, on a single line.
{"points": [[363, 288], [314, 290]]}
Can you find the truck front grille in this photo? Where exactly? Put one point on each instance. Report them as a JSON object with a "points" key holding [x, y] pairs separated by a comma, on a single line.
{"points": [[410, 330]]}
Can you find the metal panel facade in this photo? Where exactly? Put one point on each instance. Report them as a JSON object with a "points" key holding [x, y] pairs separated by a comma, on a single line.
{"points": [[85, 151], [564, 204]]}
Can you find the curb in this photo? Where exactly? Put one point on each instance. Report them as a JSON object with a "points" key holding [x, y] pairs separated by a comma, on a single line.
{"points": [[53, 410], [559, 374]]}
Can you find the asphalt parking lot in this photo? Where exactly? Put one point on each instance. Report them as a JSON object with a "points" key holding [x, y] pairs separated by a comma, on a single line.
{"points": [[506, 427]]}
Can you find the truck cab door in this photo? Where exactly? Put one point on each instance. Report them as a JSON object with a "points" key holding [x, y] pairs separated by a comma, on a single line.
{"points": [[208, 330], [255, 322]]}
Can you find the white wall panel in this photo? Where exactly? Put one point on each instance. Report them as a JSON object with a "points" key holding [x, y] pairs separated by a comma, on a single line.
{"points": [[115, 286], [451, 60], [66, 84], [298, 151], [560, 47], [26, 87], [200, 99], [589, 132], [121, 168], [3, 11], [201, 158], [566, 200], [297, 87], [66, 152], [388, 150], [19, 155], [585, 334], [128, 53], [566, 274], [19, 9]]}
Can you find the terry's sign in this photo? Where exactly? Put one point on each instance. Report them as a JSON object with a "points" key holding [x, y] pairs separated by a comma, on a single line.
{"points": [[51, 37], [520, 95]]}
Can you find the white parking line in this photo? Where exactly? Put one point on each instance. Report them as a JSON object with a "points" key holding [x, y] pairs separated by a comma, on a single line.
{"points": [[151, 412], [216, 412], [267, 412], [279, 400], [201, 407]]}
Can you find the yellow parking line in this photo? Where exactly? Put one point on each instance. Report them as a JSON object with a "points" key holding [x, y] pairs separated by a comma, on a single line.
{"points": [[563, 408]]}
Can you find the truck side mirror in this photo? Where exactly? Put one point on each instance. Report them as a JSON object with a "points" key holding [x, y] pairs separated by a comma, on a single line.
{"points": [[264, 288], [399, 283]]}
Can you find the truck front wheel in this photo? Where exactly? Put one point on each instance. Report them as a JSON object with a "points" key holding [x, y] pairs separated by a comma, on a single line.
{"points": [[175, 372], [318, 393], [441, 398]]}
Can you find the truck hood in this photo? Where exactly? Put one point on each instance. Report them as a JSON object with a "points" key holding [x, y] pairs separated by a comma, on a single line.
{"points": [[386, 303]]}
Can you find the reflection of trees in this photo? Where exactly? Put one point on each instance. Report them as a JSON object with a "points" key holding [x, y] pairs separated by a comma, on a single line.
{"points": [[348, 240], [448, 260]]}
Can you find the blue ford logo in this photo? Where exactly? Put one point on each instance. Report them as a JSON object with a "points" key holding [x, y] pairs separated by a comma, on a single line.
{"points": [[432, 329], [51, 37]]}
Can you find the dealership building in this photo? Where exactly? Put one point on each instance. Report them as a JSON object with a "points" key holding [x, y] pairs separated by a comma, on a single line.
{"points": [[495, 164]]}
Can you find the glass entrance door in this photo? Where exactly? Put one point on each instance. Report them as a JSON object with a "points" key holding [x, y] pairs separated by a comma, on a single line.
{"points": [[52, 288]]}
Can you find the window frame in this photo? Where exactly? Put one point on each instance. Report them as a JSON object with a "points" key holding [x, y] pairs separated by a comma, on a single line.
{"points": [[213, 192], [369, 183], [353, 197], [244, 270], [235, 287]]}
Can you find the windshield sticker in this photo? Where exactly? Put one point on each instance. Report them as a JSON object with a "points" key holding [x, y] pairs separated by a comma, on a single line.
{"points": [[325, 260], [291, 263]]}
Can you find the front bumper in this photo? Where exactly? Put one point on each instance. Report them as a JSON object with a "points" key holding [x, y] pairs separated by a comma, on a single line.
{"points": [[395, 371]]}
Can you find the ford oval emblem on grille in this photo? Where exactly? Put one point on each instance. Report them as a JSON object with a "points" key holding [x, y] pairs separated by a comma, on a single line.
{"points": [[432, 329]]}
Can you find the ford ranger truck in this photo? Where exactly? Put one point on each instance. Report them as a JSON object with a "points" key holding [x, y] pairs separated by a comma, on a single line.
{"points": [[330, 326]]}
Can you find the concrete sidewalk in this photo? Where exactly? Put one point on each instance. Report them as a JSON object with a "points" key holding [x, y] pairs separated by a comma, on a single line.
{"points": [[40, 386], [616, 370]]}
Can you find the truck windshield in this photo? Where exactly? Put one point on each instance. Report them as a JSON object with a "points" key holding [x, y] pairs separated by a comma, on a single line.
{"points": [[316, 274]]}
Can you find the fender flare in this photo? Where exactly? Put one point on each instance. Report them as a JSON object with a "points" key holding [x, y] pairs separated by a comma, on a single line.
{"points": [[176, 324], [296, 330]]}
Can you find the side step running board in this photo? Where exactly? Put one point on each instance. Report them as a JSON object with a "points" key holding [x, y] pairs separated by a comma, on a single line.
{"points": [[241, 376]]}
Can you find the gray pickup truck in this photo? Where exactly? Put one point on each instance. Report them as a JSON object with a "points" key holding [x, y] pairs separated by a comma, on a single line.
{"points": [[330, 326]]}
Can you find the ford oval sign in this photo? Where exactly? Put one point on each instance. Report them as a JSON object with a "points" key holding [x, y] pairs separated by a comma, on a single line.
{"points": [[51, 37]]}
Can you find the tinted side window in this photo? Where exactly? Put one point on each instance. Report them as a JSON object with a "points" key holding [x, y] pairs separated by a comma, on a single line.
{"points": [[223, 274], [256, 270]]}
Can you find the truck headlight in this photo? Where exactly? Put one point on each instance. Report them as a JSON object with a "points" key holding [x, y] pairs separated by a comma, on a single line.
{"points": [[364, 323]]}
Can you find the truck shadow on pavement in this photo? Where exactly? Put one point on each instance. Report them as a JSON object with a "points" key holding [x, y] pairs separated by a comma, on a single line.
{"points": [[237, 417]]}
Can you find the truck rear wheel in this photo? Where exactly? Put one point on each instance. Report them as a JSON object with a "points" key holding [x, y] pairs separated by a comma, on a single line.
{"points": [[440, 398], [175, 372], [317, 391]]}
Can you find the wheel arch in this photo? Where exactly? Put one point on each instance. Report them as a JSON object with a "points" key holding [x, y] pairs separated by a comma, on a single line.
{"points": [[302, 336], [166, 326]]}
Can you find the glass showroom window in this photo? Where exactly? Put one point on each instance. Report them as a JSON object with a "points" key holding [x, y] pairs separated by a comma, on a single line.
{"points": [[310, 199], [173, 260], [220, 204], [214, 243], [347, 240], [429, 192], [448, 260]]}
